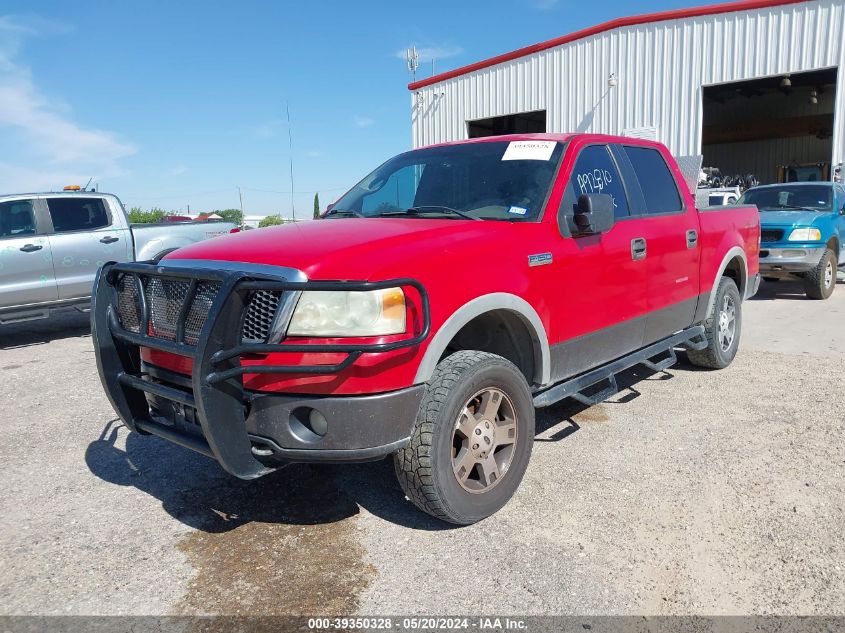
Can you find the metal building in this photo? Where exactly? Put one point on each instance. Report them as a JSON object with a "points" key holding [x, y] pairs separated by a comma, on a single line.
{"points": [[753, 86]]}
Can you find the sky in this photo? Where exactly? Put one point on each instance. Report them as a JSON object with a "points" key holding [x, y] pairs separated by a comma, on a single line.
{"points": [[177, 104]]}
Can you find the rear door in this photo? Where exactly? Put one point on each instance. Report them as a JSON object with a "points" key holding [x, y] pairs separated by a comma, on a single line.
{"points": [[600, 304], [26, 264], [669, 224], [84, 236]]}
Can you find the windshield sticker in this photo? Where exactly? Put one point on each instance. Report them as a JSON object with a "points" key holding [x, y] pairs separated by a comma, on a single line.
{"points": [[529, 150], [518, 210]]}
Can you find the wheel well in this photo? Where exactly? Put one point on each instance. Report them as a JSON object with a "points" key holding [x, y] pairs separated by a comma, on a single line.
{"points": [[736, 271], [833, 244], [500, 332]]}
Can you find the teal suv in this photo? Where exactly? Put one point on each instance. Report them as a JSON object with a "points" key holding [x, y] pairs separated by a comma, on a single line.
{"points": [[802, 229]]}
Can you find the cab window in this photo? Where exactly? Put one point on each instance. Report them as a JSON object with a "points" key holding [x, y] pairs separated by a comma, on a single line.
{"points": [[16, 218], [595, 172], [77, 214], [659, 189]]}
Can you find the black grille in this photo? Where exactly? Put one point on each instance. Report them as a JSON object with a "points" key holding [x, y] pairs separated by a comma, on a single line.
{"points": [[166, 296], [200, 307], [771, 235], [259, 316], [127, 304]]}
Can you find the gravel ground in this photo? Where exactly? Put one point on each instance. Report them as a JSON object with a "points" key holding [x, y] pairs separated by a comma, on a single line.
{"points": [[689, 492]]}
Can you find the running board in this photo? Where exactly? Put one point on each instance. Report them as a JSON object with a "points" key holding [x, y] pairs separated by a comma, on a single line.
{"points": [[574, 388]]}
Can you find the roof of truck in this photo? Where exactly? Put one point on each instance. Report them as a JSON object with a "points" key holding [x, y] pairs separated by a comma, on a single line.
{"points": [[56, 193]]}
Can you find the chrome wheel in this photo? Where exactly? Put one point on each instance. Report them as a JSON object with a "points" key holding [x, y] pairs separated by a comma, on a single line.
{"points": [[483, 440], [829, 274], [727, 323]]}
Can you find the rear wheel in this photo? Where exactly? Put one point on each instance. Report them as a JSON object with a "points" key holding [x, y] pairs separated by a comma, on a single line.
{"points": [[820, 282], [722, 328], [472, 440]]}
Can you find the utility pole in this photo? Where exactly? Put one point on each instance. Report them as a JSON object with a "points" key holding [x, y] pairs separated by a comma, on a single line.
{"points": [[290, 149], [241, 198]]}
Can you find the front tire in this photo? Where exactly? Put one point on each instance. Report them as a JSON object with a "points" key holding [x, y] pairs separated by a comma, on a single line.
{"points": [[472, 440], [722, 328], [820, 282]]}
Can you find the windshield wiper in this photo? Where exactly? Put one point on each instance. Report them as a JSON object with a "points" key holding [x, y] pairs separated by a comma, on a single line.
{"points": [[357, 214], [796, 208], [433, 208]]}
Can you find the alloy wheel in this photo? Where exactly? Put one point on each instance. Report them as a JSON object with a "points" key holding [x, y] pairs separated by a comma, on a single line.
{"points": [[483, 440], [727, 323]]}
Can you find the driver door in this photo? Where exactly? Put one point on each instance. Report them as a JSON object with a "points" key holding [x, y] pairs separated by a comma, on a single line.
{"points": [[599, 306]]}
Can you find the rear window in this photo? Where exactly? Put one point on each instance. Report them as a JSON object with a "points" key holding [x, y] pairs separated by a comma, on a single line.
{"points": [[77, 214], [656, 181], [16, 218]]}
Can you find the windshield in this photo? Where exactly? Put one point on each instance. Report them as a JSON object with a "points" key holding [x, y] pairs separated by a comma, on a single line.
{"points": [[812, 197], [487, 180]]}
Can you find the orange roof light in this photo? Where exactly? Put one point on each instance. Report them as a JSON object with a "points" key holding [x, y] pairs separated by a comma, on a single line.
{"points": [[72, 187]]}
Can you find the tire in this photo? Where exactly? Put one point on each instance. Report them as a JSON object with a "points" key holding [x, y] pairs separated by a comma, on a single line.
{"points": [[722, 340], [441, 450], [820, 282]]}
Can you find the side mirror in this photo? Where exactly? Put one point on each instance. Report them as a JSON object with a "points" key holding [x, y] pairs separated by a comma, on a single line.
{"points": [[594, 213]]}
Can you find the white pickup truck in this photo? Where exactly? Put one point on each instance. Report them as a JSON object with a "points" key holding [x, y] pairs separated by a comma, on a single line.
{"points": [[51, 245]]}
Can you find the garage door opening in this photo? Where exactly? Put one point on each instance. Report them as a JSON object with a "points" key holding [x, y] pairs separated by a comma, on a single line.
{"points": [[520, 123], [776, 129]]}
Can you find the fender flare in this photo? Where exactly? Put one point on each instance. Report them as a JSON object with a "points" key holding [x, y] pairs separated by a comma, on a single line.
{"points": [[477, 307], [734, 252]]}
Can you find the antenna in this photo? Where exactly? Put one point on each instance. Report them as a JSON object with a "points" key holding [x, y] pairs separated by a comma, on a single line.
{"points": [[85, 188], [412, 60], [290, 147]]}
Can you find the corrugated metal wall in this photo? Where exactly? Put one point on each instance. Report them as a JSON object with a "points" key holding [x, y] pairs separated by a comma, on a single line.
{"points": [[660, 69]]}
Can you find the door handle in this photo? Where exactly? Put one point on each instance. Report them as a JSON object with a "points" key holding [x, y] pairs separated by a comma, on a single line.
{"points": [[31, 248], [638, 248], [692, 238], [109, 239]]}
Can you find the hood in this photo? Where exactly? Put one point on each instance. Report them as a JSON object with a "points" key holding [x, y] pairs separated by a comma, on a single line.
{"points": [[352, 248], [789, 218]]}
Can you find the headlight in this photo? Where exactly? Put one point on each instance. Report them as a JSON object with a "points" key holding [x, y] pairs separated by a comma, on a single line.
{"points": [[805, 235], [349, 313]]}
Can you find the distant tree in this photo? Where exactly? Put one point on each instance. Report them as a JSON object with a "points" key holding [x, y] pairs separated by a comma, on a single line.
{"points": [[270, 220], [138, 216], [316, 206], [231, 215]]}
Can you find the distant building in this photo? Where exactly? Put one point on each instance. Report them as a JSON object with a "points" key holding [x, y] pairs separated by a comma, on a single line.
{"points": [[751, 86]]}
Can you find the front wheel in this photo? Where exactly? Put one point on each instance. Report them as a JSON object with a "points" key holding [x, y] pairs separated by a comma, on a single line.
{"points": [[721, 328], [820, 282], [472, 439]]}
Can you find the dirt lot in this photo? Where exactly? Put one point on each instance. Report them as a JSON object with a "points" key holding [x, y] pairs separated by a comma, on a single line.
{"points": [[690, 492]]}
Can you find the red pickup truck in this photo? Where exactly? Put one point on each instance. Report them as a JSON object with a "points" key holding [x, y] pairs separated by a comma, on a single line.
{"points": [[437, 304]]}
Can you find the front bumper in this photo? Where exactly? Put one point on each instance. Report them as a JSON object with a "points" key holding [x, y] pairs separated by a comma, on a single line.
{"points": [[790, 260], [357, 428], [249, 434]]}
